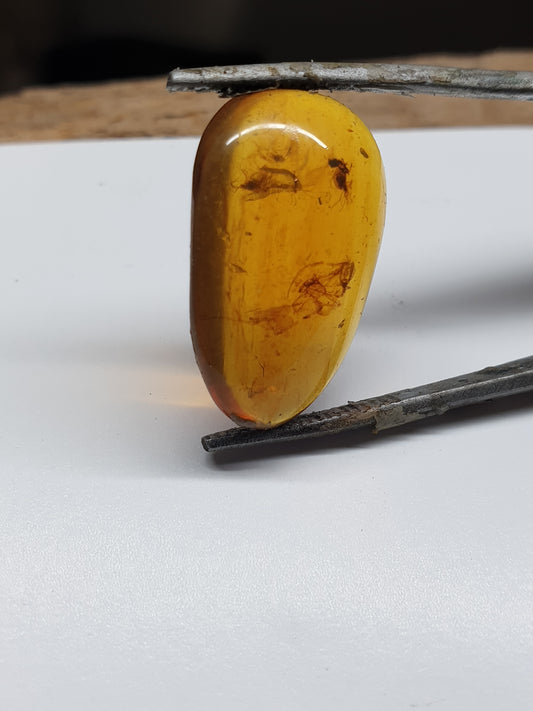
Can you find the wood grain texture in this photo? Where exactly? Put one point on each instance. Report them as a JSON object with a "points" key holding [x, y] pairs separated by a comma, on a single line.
{"points": [[138, 108]]}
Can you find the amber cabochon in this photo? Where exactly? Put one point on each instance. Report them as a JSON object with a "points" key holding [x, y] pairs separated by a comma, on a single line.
{"points": [[287, 216]]}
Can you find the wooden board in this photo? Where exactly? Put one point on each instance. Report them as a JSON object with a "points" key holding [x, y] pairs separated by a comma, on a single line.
{"points": [[144, 107]]}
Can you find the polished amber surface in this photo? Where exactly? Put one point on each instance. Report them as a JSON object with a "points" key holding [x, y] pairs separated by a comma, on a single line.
{"points": [[288, 211]]}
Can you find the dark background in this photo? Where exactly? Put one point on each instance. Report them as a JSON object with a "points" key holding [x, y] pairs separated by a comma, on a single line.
{"points": [[44, 42]]}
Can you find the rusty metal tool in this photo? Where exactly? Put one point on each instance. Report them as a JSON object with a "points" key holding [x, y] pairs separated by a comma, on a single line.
{"points": [[392, 410], [335, 76]]}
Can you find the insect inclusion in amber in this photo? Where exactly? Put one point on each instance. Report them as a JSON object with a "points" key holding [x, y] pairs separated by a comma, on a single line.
{"points": [[287, 216]]}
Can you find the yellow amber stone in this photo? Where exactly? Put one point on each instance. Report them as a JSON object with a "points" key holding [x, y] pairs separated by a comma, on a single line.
{"points": [[288, 211]]}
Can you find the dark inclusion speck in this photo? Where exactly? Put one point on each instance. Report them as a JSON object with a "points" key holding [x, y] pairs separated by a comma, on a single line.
{"points": [[268, 181], [341, 170], [319, 287], [316, 290]]}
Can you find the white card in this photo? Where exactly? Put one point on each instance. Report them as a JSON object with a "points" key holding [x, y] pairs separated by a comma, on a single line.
{"points": [[139, 572]]}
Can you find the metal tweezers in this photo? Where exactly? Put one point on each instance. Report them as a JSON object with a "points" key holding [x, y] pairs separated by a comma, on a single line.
{"points": [[329, 76], [392, 410], [403, 406]]}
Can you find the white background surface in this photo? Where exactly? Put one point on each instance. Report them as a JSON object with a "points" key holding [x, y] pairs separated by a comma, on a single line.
{"points": [[139, 572]]}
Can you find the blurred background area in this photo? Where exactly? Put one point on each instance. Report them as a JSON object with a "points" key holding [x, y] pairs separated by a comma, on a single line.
{"points": [[51, 42]]}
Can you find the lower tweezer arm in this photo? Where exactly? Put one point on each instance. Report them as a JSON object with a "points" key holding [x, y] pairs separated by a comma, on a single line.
{"points": [[392, 410]]}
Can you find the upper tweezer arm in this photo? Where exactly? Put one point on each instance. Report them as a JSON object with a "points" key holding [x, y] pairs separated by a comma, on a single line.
{"points": [[377, 77]]}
